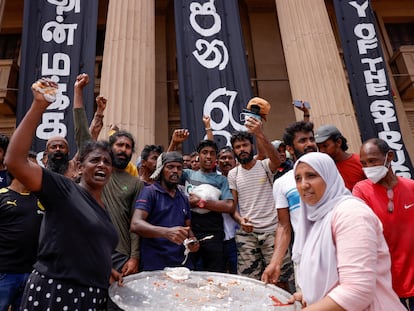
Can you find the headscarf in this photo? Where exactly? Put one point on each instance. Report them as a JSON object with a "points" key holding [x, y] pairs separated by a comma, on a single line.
{"points": [[314, 248], [164, 158]]}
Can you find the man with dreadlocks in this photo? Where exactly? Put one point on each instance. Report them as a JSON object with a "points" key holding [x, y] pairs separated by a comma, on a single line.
{"points": [[162, 217]]}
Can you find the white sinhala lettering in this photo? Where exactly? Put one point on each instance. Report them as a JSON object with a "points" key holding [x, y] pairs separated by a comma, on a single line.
{"points": [[211, 56], [212, 102], [205, 10]]}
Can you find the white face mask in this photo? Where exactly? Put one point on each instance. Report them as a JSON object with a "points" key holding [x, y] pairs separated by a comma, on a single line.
{"points": [[376, 173]]}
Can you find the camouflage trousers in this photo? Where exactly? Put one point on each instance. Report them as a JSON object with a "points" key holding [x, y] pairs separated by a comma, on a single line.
{"points": [[254, 252]]}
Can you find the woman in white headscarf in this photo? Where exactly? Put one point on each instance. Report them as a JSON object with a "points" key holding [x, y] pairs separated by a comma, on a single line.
{"points": [[344, 262]]}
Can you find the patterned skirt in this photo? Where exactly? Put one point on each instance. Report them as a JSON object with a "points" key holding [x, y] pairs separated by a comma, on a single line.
{"points": [[45, 294]]}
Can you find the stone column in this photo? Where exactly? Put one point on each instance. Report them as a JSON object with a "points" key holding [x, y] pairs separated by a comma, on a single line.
{"points": [[128, 69], [315, 70], [2, 4]]}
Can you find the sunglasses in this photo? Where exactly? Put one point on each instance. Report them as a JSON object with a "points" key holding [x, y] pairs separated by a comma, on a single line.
{"points": [[390, 195]]}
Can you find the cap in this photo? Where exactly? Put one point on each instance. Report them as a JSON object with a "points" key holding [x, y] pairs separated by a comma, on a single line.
{"points": [[324, 132], [276, 143], [261, 104], [164, 158]]}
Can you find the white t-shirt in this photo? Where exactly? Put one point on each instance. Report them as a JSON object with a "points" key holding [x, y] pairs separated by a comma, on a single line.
{"points": [[286, 195]]}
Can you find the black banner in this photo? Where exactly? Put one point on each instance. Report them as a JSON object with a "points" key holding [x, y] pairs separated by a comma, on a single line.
{"points": [[212, 68], [58, 41], [369, 82]]}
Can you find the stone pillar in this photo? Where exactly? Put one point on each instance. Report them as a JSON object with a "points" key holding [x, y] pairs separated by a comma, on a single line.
{"points": [[128, 69], [315, 70], [2, 4]]}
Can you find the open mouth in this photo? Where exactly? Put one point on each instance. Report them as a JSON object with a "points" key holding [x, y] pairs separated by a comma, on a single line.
{"points": [[100, 174]]}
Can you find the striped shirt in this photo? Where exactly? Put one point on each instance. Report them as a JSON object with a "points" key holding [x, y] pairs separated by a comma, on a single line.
{"points": [[254, 190]]}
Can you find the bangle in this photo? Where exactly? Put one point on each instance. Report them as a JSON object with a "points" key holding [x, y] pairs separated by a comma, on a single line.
{"points": [[208, 128], [100, 115], [306, 115]]}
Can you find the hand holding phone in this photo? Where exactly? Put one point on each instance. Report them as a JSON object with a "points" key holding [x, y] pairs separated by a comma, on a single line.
{"points": [[301, 104]]}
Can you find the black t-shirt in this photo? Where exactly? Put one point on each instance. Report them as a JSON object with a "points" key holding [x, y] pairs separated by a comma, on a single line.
{"points": [[77, 236], [4, 179], [20, 219]]}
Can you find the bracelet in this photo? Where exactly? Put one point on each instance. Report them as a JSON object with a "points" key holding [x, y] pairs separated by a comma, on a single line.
{"points": [[306, 115], [100, 115], [208, 128], [201, 203]]}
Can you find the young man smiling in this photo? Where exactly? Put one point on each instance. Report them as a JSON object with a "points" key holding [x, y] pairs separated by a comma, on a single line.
{"points": [[206, 213], [299, 139]]}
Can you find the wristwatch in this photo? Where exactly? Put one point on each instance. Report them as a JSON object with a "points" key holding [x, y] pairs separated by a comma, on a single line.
{"points": [[201, 203]]}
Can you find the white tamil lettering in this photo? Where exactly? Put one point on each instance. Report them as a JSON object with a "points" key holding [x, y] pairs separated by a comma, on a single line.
{"points": [[51, 125], [60, 32], [205, 10], [65, 6], [60, 65], [62, 101]]}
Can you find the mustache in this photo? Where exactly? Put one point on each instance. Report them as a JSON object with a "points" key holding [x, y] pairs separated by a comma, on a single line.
{"points": [[310, 149], [121, 154], [56, 154]]}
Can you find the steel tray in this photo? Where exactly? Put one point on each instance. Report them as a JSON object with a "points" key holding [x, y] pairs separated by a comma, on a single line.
{"points": [[202, 291]]}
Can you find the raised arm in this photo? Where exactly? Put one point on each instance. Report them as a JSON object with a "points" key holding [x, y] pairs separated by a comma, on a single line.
{"points": [[255, 127], [29, 173], [305, 108], [80, 120], [209, 130], [178, 136], [97, 121]]}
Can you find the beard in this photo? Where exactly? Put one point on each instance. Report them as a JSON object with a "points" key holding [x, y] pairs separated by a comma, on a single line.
{"points": [[121, 163], [58, 162], [170, 185], [245, 160], [298, 154]]}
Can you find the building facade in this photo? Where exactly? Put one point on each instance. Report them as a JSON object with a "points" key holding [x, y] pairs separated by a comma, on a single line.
{"points": [[292, 48]]}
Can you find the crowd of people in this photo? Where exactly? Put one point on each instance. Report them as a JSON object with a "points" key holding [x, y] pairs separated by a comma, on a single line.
{"points": [[331, 227]]}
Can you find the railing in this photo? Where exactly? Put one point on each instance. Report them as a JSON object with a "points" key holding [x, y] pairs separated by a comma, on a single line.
{"points": [[402, 67]]}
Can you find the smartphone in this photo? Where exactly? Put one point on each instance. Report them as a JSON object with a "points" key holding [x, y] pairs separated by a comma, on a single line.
{"points": [[248, 113], [299, 104]]}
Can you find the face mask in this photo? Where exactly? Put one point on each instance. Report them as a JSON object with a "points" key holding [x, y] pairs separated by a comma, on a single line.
{"points": [[376, 173]]}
